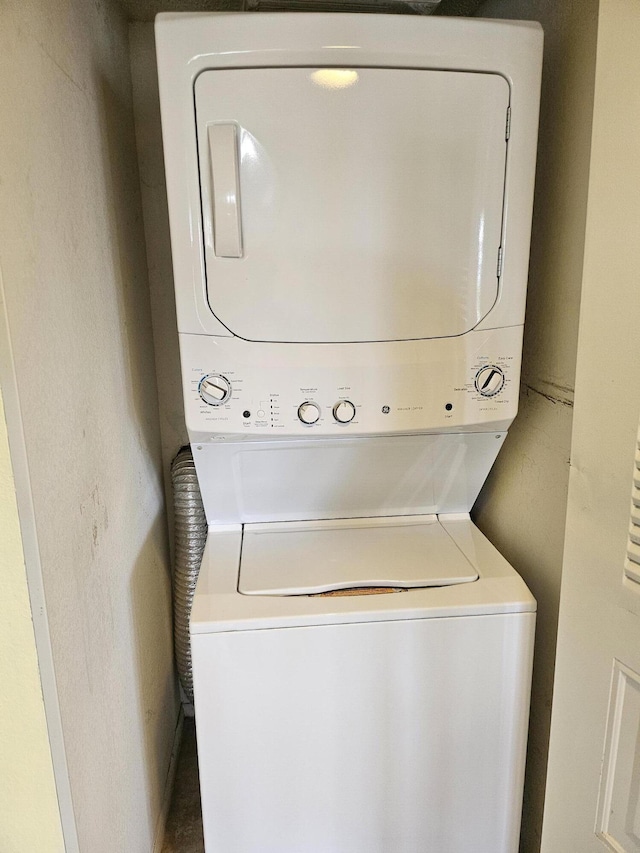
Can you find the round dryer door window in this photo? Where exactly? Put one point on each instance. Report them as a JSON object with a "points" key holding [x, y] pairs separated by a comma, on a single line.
{"points": [[355, 204]]}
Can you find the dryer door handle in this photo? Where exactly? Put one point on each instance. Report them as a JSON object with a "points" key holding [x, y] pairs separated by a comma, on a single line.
{"points": [[225, 177]]}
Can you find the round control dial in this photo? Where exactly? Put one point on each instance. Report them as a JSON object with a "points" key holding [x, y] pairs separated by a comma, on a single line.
{"points": [[489, 380], [309, 413], [344, 411], [214, 389]]}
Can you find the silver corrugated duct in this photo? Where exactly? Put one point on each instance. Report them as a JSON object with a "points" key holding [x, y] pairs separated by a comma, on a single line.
{"points": [[190, 538]]}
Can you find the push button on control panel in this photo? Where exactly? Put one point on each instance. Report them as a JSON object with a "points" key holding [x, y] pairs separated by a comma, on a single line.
{"points": [[489, 380], [214, 389], [344, 411]]}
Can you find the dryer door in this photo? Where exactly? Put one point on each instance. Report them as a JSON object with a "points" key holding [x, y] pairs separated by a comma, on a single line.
{"points": [[359, 204]]}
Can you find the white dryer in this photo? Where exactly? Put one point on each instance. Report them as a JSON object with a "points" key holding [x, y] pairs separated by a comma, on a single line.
{"points": [[350, 203]]}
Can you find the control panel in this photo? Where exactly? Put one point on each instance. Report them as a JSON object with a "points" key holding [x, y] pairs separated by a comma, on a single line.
{"points": [[235, 388]]}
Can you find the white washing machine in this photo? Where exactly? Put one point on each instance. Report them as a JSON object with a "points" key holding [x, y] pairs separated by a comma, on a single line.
{"points": [[350, 204]]}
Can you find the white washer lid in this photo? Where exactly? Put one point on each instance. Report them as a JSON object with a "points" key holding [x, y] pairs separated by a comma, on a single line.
{"points": [[305, 558]]}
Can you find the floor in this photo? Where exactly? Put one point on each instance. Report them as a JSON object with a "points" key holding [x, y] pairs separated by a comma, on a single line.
{"points": [[184, 824]]}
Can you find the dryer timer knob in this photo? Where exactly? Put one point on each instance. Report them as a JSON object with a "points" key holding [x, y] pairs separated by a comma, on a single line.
{"points": [[214, 389], [489, 380]]}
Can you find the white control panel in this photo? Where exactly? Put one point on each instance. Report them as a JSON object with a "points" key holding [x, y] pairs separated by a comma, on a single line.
{"points": [[235, 388]]}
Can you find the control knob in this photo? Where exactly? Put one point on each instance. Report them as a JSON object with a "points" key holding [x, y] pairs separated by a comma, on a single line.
{"points": [[309, 413], [489, 380], [214, 389], [344, 411]]}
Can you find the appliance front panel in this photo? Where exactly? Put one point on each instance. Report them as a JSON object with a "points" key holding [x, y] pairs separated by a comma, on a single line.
{"points": [[260, 481], [277, 391], [351, 204], [365, 738]]}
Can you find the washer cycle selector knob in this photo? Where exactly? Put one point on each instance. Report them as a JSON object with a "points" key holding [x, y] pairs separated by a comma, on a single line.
{"points": [[489, 380], [214, 389], [344, 411], [309, 413]]}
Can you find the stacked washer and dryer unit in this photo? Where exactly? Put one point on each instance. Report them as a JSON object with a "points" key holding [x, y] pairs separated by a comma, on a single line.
{"points": [[350, 203]]}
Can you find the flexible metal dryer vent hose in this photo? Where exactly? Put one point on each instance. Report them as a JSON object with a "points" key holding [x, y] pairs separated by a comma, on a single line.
{"points": [[190, 538]]}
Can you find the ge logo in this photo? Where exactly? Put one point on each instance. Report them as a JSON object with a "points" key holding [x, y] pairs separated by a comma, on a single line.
{"points": [[385, 410]]}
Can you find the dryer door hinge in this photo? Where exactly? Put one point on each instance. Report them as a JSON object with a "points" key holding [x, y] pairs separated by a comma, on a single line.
{"points": [[499, 271], [508, 127]]}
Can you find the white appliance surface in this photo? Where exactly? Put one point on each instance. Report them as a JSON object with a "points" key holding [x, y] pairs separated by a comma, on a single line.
{"points": [[303, 558], [369, 204], [260, 481], [400, 216], [350, 202], [371, 179], [219, 606], [392, 387], [391, 722]]}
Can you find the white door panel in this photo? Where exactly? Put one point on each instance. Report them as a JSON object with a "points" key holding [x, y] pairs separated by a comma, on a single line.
{"points": [[619, 801], [593, 790], [339, 170]]}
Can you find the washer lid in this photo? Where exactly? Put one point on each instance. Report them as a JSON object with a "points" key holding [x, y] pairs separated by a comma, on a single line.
{"points": [[307, 558]]}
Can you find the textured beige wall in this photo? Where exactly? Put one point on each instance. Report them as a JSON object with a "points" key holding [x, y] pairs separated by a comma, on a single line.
{"points": [[146, 103], [523, 505], [77, 302], [29, 818]]}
